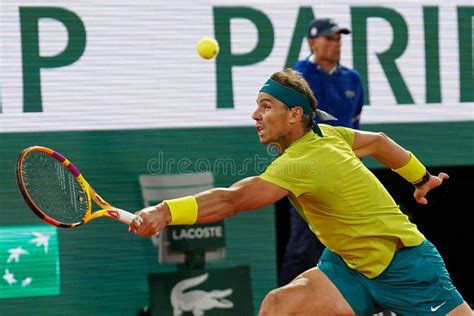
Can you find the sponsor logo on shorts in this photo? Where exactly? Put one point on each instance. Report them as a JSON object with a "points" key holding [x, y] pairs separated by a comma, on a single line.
{"points": [[434, 309]]}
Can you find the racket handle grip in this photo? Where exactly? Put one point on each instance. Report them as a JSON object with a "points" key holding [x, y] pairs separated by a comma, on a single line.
{"points": [[126, 217]]}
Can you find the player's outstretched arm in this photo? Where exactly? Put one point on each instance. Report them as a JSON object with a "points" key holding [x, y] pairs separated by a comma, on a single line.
{"points": [[385, 150], [380, 147], [245, 195], [209, 206]]}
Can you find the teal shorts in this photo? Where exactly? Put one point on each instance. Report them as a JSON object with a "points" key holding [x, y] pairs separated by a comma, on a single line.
{"points": [[415, 283]]}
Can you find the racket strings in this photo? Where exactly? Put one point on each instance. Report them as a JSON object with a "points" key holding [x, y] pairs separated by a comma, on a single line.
{"points": [[53, 188]]}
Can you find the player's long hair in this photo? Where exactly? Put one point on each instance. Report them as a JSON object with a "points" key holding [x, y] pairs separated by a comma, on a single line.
{"points": [[294, 80]]}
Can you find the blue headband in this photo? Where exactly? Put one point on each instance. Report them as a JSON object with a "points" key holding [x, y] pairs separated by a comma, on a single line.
{"points": [[291, 98]]}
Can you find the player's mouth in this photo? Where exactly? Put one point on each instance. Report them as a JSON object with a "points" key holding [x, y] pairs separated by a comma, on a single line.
{"points": [[259, 130]]}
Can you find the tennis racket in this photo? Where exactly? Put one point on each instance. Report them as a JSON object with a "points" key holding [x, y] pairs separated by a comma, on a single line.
{"points": [[57, 192]]}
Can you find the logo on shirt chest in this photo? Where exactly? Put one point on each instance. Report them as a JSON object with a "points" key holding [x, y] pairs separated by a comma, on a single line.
{"points": [[350, 93]]}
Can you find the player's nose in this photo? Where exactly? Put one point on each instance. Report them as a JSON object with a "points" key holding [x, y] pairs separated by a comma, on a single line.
{"points": [[256, 115]]}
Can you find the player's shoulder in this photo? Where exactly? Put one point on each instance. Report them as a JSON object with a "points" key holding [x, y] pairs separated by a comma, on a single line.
{"points": [[337, 131], [327, 129]]}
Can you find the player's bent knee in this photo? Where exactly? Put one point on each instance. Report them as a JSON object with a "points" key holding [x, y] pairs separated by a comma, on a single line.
{"points": [[269, 305], [283, 301], [312, 293], [279, 303]]}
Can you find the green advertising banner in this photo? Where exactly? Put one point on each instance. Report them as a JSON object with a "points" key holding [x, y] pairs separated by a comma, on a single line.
{"points": [[210, 292], [29, 261]]}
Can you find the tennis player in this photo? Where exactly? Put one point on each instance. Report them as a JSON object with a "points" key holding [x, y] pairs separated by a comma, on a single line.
{"points": [[375, 258]]}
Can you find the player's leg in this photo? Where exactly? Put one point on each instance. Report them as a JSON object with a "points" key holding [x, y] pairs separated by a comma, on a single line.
{"points": [[330, 289], [311, 293], [461, 310]]}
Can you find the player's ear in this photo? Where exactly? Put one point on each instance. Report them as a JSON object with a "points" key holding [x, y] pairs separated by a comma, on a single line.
{"points": [[296, 114]]}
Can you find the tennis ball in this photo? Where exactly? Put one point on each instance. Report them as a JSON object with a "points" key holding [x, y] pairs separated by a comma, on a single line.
{"points": [[207, 48]]}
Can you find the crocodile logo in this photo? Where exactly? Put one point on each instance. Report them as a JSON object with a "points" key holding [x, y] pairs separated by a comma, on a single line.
{"points": [[197, 301]]}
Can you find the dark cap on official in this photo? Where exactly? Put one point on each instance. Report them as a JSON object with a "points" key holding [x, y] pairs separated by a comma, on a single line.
{"points": [[325, 27]]}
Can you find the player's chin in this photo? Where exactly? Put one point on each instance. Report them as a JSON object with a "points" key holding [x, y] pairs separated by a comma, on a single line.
{"points": [[263, 140]]}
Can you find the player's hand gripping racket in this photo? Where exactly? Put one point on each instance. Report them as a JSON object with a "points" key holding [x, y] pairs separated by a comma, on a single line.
{"points": [[57, 192]]}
